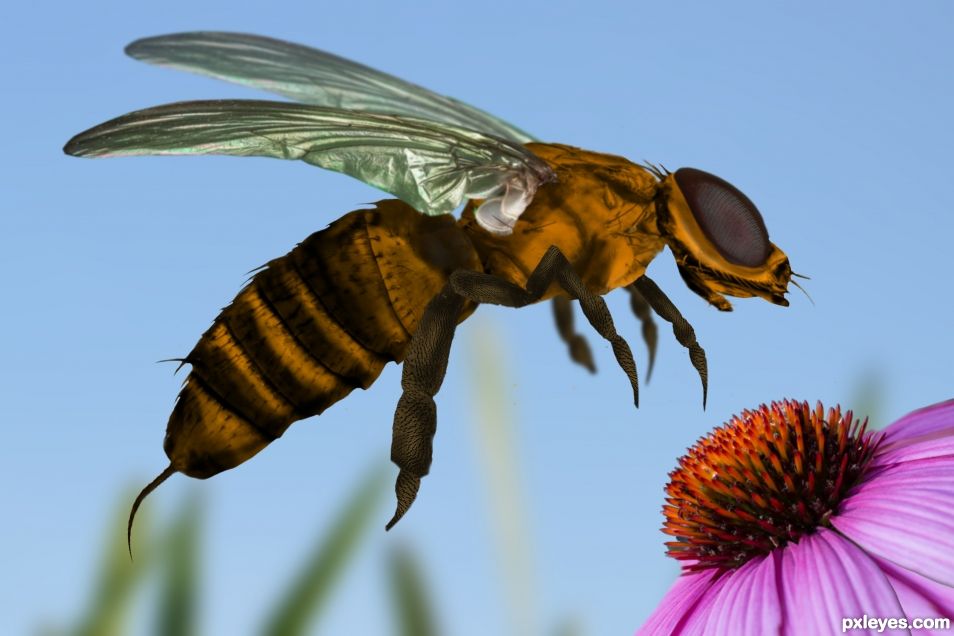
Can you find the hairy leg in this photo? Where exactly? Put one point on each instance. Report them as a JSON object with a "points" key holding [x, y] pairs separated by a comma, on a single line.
{"points": [[553, 267], [415, 419], [680, 327], [579, 349], [645, 315]]}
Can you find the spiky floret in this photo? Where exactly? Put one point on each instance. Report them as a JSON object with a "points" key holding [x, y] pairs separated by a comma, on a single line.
{"points": [[763, 479]]}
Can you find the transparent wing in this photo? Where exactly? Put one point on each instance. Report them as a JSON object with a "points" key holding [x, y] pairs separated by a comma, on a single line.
{"points": [[312, 76], [432, 166]]}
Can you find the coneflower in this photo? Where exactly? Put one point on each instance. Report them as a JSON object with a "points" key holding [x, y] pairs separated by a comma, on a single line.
{"points": [[796, 520]]}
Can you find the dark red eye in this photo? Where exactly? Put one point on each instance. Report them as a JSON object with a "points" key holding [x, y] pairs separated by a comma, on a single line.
{"points": [[728, 218]]}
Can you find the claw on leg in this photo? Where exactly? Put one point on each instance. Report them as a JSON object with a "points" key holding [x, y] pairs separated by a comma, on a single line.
{"points": [[595, 310], [680, 327], [406, 489], [579, 348], [415, 419]]}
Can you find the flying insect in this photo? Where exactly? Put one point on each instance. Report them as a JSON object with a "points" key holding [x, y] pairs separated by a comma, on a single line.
{"points": [[540, 221]]}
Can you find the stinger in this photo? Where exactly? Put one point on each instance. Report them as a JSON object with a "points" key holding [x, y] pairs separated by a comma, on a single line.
{"points": [[164, 475]]}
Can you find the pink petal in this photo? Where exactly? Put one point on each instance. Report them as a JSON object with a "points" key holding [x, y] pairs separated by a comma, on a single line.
{"points": [[925, 421], [747, 602], [826, 579], [920, 597], [694, 624], [678, 604], [905, 514], [927, 432]]}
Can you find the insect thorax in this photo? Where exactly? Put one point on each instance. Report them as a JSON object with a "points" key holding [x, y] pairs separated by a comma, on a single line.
{"points": [[599, 212]]}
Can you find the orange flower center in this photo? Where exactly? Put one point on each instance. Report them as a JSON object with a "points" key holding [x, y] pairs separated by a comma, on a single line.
{"points": [[765, 478]]}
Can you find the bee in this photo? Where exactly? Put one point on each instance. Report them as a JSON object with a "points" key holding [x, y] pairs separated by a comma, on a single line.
{"points": [[391, 283]]}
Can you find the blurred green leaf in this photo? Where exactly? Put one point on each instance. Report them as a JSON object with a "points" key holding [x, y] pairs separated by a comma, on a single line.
{"points": [[118, 576], [869, 398], [409, 594], [568, 627], [308, 594], [179, 594], [495, 424]]}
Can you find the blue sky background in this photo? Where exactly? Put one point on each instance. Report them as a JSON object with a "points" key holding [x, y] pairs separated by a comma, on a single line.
{"points": [[835, 118]]}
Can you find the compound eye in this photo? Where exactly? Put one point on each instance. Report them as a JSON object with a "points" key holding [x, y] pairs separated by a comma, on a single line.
{"points": [[728, 218]]}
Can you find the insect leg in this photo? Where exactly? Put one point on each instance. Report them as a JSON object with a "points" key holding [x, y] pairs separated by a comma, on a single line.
{"points": [[415, 419], [485, 288], [645, 315], [680, 327], [579, 348]]}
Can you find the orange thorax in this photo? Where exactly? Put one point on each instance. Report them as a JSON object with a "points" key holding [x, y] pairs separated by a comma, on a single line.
{"points": [[600, 212]]}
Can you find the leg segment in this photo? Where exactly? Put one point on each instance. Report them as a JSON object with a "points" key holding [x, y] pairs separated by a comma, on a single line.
{"points": [[579, 349], [680, 327], [553, 267], [645, 315], [415, 419]]}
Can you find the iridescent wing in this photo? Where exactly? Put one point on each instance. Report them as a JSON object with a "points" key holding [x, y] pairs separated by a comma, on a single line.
{"points": [[430, 165], [312, 76]]}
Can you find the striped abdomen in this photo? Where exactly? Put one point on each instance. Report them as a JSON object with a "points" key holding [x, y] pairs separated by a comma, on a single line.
{"points": [[308, 329]]}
